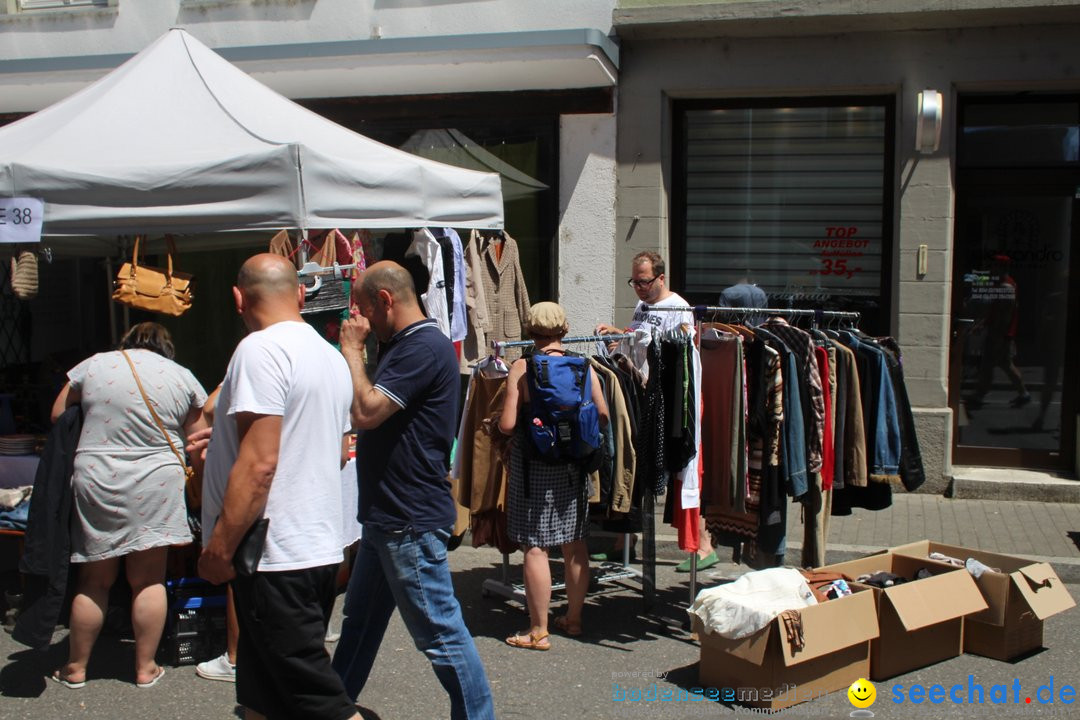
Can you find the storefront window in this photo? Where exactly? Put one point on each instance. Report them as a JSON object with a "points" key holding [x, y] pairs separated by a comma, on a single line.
{"points": [[792, 195], [1012, 134]]}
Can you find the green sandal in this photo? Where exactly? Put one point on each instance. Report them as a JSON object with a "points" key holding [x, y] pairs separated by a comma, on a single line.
{"points": [[703, 563]]}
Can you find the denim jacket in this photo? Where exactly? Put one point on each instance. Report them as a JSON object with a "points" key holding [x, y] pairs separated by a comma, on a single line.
{"points": [[883, 436]]}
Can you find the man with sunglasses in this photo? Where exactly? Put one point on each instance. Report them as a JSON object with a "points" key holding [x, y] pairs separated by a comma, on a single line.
{"points": [[648, 280]]}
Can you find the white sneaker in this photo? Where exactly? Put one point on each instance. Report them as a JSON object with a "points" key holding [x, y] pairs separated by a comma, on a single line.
{"points": [[217, 669]]}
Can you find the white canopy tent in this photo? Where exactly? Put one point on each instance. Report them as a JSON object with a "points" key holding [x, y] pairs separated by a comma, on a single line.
{"points": [[179, 140]]}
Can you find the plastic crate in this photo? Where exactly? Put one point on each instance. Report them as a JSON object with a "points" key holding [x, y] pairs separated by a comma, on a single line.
{"points": [[195, 630]]}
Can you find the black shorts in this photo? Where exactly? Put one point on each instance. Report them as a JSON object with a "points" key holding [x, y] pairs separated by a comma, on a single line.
{"points": [[282, 666]]}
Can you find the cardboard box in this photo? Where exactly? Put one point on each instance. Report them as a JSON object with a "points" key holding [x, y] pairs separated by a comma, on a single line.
{"points": [[763, 670], [1019, 597], [920, 621]]}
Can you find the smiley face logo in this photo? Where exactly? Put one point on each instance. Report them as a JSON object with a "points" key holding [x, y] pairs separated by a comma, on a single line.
{"points": [[861, 693]]}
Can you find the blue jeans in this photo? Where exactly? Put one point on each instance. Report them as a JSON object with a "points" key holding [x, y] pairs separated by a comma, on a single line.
{"points": [[408, 570]]}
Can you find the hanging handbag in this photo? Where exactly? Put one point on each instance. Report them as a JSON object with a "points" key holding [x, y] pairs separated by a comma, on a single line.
{"points": [[24, 275], [149, 288], [192, 481], [281, 244]]}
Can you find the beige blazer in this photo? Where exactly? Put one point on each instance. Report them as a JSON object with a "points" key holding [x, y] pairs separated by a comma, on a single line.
{"points": [[625, 458], [478, 323], [504, 289]]}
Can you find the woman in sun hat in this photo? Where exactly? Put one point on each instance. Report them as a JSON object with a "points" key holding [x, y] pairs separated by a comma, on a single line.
{"points": [[549, 507]]}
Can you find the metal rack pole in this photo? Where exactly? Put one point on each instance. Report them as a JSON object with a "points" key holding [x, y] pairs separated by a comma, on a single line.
{"points": [[498, 345], [782, 312]]}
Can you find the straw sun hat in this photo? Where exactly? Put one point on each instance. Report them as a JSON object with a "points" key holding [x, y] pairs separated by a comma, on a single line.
{"points": [[547, 319]]}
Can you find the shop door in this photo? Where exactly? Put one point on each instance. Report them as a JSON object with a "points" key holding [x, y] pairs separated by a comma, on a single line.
{"points": [[1013, 358]]}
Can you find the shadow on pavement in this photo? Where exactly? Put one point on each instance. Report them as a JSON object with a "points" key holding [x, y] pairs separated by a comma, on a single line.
{"points": [[614, 615]]}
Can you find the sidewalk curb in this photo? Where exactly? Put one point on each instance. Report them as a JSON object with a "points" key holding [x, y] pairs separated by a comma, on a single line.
{"points": [[1068, 569]]}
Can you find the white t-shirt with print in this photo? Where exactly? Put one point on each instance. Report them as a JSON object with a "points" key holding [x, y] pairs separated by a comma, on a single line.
{"points": [[663, 320], [648, 324], [288, 370]]}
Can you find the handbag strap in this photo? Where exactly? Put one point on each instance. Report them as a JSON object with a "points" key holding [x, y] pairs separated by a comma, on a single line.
{"points": [[171, 250], [135, 256], [150, 406]]}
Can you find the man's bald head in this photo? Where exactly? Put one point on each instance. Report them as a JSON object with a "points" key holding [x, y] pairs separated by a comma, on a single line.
{"points": [[389, 276], [267, 277]]}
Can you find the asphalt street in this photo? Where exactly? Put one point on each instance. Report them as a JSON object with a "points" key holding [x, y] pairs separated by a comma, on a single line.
{"points": [[576, 679]]}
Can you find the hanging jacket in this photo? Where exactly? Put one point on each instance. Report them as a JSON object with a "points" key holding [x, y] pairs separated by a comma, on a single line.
{"points": [[47, 545], [801, 345], [478, 323], [455, 285], [912, 474], [625, 462], [426, 247], [504, 289], [879, 408]]}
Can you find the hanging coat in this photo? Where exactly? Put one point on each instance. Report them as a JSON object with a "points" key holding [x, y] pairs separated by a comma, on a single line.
{"points": [[504, 289]]}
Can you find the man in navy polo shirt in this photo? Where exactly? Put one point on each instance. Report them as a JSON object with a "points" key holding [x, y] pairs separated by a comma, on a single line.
{"points": [[406, 416]]}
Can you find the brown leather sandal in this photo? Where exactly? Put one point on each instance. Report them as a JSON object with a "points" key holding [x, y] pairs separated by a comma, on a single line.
{"points": [[530, 641]]}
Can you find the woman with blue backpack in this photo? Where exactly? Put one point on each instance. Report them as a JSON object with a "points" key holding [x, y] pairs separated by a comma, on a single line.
{"points": [[554, 409]]}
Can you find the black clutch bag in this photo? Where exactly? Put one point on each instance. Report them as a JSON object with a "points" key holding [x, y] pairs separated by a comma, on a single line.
{"points": [[249, 551]]}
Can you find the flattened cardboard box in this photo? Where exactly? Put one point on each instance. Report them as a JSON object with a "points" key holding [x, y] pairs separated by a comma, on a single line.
{"points": [[1020, 597], [763, 670], [920, 621]]}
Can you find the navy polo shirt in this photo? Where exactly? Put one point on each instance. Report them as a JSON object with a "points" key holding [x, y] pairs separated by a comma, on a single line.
{"points": [[402, 465]]}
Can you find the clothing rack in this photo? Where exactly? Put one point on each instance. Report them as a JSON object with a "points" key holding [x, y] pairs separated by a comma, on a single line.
{"points": [[497, 346], [701, 310], [610, 572]]}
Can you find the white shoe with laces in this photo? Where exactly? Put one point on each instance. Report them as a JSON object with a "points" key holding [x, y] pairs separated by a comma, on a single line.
{"points": [[217, 669]]}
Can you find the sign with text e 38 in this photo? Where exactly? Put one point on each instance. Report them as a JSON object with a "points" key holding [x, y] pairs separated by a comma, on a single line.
{"points": [[20, 220]]}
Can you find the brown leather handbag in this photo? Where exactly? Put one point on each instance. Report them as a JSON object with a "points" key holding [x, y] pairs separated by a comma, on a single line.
{"points": [[149, 288]]}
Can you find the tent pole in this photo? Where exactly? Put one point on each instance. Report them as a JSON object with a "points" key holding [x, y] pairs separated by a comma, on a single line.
{"points": [[108, 298]]}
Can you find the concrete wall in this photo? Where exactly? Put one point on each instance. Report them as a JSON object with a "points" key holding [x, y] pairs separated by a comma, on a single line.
{"points": [[995, 59], [132, 24], [33, 74], [587, 269]]}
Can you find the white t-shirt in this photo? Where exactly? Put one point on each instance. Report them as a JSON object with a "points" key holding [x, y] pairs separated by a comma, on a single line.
{"points": [[289, 371], [648, 323], [662, 321]]}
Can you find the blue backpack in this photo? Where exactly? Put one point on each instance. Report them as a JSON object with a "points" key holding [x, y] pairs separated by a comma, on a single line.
{"points": [[564, 425]]}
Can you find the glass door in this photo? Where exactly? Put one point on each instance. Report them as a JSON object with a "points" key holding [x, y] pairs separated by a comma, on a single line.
{"points": [[1011, 384], [1013, 404]]}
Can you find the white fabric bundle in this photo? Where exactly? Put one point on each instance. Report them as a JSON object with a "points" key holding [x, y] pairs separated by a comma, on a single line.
{"points": [[743, 607]]}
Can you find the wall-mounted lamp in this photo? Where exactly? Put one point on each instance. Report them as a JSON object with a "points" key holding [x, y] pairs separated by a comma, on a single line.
{"points": [[928, 122]]}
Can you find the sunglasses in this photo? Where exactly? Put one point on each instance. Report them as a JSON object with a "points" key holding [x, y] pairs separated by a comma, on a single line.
{"points": [[641, 284]]}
